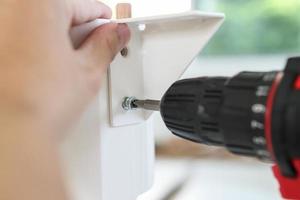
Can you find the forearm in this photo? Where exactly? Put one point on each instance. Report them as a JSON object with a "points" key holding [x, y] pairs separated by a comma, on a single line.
{"points": [[30, 164], [46, 84]]}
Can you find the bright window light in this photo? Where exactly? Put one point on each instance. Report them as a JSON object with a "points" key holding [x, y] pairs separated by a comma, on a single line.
{"points": [[143, 8]]}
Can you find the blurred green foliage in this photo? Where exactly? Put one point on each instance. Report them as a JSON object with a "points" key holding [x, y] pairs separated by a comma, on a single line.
{"points": [[256, 27]]}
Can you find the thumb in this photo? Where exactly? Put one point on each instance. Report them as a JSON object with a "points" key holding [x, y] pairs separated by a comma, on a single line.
{"points": [[104, 44]]}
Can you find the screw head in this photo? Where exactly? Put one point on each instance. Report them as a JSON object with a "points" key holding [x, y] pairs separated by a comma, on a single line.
{"points": [[127, 103], [124, 52]]}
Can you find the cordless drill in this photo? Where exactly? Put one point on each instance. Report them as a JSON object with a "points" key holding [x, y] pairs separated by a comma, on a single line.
{"points": [[252, 113]]}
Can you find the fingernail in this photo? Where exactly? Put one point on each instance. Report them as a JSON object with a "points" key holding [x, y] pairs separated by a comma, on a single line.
{"points": [[123, 32]]}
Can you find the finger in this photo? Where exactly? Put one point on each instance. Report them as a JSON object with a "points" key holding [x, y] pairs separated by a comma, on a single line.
{"points": [[85, 11], [104, 43]]}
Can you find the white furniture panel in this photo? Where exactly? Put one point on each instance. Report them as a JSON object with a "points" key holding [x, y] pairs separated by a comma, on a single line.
{"points": [[108, 163]]}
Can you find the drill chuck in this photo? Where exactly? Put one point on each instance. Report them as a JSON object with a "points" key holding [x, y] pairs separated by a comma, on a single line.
{"points": [[221, 111]]}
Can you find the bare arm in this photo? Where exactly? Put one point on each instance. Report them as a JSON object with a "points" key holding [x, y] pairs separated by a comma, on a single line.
{"points": [[45, 84]]}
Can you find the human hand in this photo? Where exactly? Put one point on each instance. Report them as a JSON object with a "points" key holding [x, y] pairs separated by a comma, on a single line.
{"points": [[44, 80]]}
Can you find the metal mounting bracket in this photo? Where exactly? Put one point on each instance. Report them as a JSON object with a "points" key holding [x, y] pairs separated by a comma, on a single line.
{"points": [[160, 50]]}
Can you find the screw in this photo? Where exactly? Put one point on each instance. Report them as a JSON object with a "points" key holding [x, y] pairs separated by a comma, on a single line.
{"points": [[128, 103], [124, 52]]}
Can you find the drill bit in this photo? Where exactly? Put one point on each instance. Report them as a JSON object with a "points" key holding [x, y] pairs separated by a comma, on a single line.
{"points": [[131, 103], [146, 104]]}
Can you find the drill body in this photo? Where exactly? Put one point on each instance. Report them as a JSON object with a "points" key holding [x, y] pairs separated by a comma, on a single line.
{"points": [[253, 114]]}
